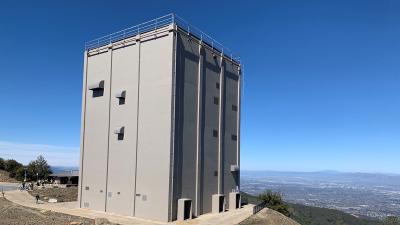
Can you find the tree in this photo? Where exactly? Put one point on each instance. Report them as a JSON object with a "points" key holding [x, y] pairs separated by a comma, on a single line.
{"points": [[273, 200], [391, 220], [2, 164], [38, 169], [12, 166], [20, 173]]}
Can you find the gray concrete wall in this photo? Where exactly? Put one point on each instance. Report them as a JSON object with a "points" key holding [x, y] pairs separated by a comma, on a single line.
{"points": [[209, 124], [154, 133], [122, 153], [230, 148], [171, 145], [95, 144], [189, 69], [187, 66], [129, 174]]}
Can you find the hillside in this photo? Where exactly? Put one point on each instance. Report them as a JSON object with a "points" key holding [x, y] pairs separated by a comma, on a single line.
{"points": [[5, 178], [308, 215]]}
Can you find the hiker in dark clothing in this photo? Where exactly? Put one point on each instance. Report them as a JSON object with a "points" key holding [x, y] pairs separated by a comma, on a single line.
{"points": [[37, 199]]}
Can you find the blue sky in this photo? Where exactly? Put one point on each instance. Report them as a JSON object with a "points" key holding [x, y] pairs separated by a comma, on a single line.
{"points": [[322, 78]]}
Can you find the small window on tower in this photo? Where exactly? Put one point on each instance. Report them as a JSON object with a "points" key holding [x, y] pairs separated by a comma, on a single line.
{"points": [[234, 137], [215, 133], [216, 100], [217, 85], [234, 108]]}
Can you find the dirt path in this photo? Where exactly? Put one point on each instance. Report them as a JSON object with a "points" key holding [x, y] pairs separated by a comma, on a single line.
{"points": [[71, 208]]}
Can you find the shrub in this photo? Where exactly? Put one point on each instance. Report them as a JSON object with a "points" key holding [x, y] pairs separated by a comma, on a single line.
{"points": [[273, 200], [391, 220], [2, 164], [20, 173], [12, 166]]}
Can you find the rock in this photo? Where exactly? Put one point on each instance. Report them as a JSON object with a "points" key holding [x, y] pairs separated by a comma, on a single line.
{"points": [[52, 200], [103, 221], [75, 223]]}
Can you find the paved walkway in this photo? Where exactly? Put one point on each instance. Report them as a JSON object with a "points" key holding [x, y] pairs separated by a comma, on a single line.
{"points": [[227, 218], [6, 186]]}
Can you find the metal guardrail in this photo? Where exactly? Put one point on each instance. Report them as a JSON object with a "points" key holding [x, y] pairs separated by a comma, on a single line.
{"points": [[157, 23], [259, 207]]}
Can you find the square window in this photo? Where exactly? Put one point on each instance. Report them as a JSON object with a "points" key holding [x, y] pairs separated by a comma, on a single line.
{"points": [[98, 92], [234, 137], [215, 133], [120, 137], [234, 108], [216, 100], [217, 85]]}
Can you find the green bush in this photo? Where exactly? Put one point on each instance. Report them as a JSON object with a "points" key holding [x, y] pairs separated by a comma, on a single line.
{"points": [[20, 173], [2, 164], [12, 166], [391, 220], [273, 200]]}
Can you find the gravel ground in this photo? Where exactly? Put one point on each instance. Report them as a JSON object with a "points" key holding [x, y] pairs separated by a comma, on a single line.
{"points": [[13, 214], [68, 194]]}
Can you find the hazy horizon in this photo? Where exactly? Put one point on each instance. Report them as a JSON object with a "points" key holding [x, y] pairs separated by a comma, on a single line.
{"points": [[64, 156]]}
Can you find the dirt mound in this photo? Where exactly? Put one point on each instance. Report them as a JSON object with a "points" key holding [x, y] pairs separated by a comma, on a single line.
{"points": [[11, 213], [5, 178], [268, 217]]}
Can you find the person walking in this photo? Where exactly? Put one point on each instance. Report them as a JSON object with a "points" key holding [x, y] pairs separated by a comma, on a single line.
{"points": [[37, 199]]}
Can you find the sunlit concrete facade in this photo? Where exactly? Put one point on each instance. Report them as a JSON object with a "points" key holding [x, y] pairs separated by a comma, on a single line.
{"points": [[160, 127]]}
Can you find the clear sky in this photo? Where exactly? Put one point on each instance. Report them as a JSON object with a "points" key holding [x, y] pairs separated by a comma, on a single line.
{"points": [[322, 78]]}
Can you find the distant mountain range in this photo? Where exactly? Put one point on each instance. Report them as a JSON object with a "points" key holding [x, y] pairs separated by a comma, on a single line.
{"points": [[57, 169], [374, 179]]}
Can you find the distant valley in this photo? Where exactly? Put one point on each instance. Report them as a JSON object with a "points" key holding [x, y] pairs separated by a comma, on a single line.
{"points": [[363, 194]]}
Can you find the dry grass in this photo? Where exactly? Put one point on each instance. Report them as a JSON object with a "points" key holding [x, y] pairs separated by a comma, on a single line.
{"points": [[13, 214], [68, 194]]}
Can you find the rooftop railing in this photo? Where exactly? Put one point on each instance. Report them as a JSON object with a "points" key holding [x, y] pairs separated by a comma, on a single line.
{"points": [[155, 24]]}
